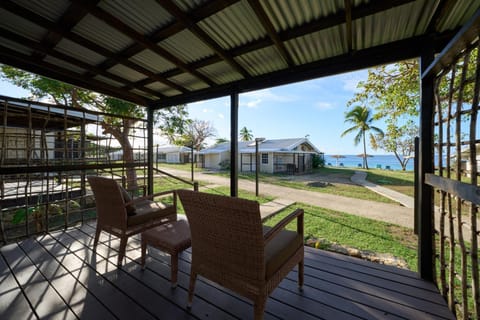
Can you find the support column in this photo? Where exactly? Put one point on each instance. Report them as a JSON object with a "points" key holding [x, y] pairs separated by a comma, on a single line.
{"points": [[426, 262], [234, 144], [150, 150]]}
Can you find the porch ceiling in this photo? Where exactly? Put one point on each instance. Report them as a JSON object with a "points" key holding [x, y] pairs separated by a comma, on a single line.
{"points": [[162, 53]]}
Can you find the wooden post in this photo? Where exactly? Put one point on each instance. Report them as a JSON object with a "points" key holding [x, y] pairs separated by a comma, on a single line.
{"points": [[426, 262], [150, 150], [416, 179], [234, 144]]}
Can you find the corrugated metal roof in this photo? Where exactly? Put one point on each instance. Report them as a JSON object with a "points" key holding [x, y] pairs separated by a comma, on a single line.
{"points": [[152, 36], [79, 52], [127, 73], [222, 72], [21, 26], [269, 145], [262, 61], [152, 61], [144, 18], [99, 32], [50, 9], [233, 26], [181, 45]]}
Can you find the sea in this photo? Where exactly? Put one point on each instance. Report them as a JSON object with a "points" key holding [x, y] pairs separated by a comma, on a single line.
{"points": [[374, 161]]}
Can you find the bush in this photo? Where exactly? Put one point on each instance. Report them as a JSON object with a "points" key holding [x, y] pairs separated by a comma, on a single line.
{"points": [[318, 161], [224, 165]]}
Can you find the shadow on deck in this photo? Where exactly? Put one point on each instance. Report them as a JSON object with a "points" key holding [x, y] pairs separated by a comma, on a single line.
{"points": [[58, 276]]}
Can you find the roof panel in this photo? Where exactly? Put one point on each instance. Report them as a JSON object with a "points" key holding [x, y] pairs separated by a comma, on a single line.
{"points": [[287, 14], [65, 65], [222, 72], [262, 61], [50, 9], [108, 81], [144, 18], [15, 46], [186, 46], [188, 5], [21, 26], [163, 89], [127, 73], [79, 52], [152, 61], [189, 81], [460, 13], [233, 26], [319, 45], [101, 33]]}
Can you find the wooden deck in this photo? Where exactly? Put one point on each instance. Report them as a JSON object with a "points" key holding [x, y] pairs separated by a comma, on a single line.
{"points": [[58, 276]]}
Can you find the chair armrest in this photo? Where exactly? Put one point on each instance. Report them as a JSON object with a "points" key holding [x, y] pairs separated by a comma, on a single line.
{"points": [[270, 234], [151, 196]]}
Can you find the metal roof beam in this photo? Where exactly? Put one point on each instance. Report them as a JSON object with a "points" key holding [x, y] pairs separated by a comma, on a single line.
{"points": [[144, 41], [44, 23], [361, 59], [272, 33], [338, 18], [44, 51], [443, 8], [202, 35], [46, 69]]}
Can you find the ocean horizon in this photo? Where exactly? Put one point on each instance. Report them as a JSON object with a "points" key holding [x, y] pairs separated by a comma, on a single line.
{"points": [[383, 161]]}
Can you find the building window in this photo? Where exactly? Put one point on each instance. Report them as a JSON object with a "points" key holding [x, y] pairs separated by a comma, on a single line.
{"points": [[264, 158], [162, 157]]}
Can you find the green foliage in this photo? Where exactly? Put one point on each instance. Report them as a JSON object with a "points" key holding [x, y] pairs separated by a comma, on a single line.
{"points": [[361, 120], [245, 134], [318, 161], [355, 231], [224, 165]]}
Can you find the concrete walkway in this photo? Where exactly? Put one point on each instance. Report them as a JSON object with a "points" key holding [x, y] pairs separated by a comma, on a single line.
{"points": [[359, 178], [391, 213]]}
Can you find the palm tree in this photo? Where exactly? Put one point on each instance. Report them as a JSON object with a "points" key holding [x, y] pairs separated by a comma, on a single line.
{"points": [[245, 134], [361, 118]]}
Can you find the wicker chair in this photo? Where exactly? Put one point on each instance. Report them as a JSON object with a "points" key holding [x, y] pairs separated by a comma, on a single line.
{"points": [[232, 248], [120, 215]]}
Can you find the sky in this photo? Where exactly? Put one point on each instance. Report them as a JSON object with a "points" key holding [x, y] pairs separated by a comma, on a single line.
{"points": [[314, 108]]}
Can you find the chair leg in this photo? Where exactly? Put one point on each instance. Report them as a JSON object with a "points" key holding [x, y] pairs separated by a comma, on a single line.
{"points": [[174, 269], [144, 253], [97, 237], [121, 250], [259, 307], [300, 274], [191, 288]]}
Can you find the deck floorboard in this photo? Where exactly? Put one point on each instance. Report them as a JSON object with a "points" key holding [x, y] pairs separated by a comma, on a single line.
{"points": [[58, 275]]}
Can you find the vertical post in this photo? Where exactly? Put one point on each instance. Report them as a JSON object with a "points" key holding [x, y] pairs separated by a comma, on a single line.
{"points": [[192, 160], [234, 144], [425, 209], [149, 150], [416, 177], [257, 166]]}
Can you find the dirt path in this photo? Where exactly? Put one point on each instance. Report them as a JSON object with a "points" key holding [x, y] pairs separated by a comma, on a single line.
{"points": [[391, 213]]}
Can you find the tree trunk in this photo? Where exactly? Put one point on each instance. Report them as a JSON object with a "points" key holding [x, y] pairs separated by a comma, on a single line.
{"points": [[121, 134], [365, 163]]}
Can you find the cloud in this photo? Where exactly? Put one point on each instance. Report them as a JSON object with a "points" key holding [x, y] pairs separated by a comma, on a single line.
{"points": [[255, 98], [221, 116], [324, 105], [206, 110], [350, 81]]}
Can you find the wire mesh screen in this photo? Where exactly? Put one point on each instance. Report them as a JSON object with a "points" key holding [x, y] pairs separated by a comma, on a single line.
{"points": [[46, 153], [455, 181]]}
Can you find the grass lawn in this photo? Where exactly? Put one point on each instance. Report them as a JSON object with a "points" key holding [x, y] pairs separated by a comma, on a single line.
{"points": [[356, 232], [401, 181], [340, 184]]}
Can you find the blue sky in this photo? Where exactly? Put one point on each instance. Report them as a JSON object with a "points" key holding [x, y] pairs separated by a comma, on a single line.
{"points": [[315, 108]]}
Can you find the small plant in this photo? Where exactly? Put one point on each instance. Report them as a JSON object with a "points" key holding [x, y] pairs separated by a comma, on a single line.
{"points": [[224, 165], [317, 161]]}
